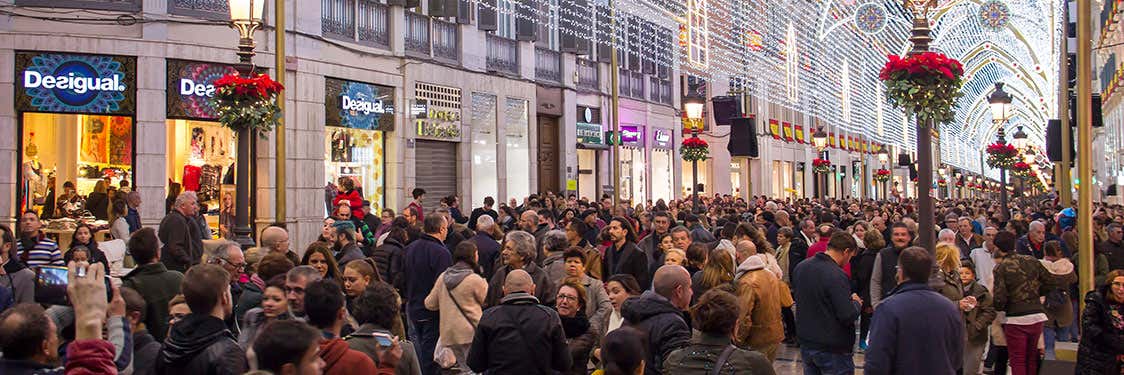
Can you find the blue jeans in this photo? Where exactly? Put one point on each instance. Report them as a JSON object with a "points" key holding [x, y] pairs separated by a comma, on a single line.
{"points": [[426, 332], [1052, 336], [818, 362]]}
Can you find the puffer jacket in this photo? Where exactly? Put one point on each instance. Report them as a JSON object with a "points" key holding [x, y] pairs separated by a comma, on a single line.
{"points": [[1101, 343], [1061, 315], [1020, 281], [759, 325], [388, 258], [667, 331], [201, 344], [978, 321], [700, 356]]}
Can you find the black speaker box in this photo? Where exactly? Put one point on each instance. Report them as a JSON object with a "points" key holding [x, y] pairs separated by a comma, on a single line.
{"points": [[743, 137], [726, 108], [903, 160], [1054, 140]]}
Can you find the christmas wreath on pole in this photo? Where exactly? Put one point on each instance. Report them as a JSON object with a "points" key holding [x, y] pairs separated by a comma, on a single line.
{"points": [[942, 182], [821, 166], [1021, 169], [925, 84], [1002, 155], [694, 149], [882, 175], [248, 103]]}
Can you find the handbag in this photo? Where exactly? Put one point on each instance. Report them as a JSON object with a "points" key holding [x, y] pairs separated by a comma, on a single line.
{"points": [[442, 354]]}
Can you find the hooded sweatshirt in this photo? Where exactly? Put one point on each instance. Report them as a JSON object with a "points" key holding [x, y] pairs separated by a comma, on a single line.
{"points": [[201, 344], [458, 318], [341, 359], [1062, 314], [667, 331]]}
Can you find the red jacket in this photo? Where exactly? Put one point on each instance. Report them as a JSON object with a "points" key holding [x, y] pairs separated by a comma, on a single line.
{"points": [[354, 200], [90, 357], [820, 247], [340, 359]]}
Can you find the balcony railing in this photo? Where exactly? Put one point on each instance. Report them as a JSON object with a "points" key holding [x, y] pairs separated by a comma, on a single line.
{"points": [[206, 9], [337, 18], [637, 84], [374, 23], [120, 5], [503, 55], [417, 34], [589, 74], [548, 65], [624, 84], [446, 45]]}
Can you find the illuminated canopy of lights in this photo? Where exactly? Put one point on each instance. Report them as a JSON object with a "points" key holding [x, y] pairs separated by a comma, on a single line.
{"points": [[822, 57]]}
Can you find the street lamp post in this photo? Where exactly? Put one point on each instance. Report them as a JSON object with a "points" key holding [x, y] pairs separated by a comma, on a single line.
{"points": [[884, 158], [819, 140], [920, 37], [694, 107], [1000, 102], [246, 17]]}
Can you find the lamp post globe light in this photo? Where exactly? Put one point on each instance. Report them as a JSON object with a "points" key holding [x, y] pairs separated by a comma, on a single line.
{"points": [[819, 141], [1019, 140], [1000, 102], [245, 17], [694, 107]]}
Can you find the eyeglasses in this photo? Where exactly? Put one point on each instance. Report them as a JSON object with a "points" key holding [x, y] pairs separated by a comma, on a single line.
{"points": [[562, 297], [238, 266]]}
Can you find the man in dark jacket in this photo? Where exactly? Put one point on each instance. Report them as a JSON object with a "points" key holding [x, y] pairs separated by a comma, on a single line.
{"points": [[483, 211], [624, 256], [183, 247], [698, 233], [1034, 240], [650, 245], [487, 248], [200, 343], [426, 258], [145, 346], [519, 336], [827, 308], [133, 216], [1113, 247], [916, 330], [659, 312], [345, 244], [519, 254], [883, 278], [152, 280]]}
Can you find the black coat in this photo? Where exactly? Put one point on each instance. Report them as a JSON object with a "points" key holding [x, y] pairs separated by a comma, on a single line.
{"points": [[862, 267], [519, 336], [183, 247], [389, 260], [667, 331], [98, 205], [627, 259], [201, 344], [1100, 341]]}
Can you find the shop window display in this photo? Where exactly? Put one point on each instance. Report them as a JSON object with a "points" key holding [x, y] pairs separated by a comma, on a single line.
{"points": [[356, 154], [201, 159]]}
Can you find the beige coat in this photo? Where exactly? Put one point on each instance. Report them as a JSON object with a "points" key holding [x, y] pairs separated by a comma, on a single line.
{"points": [[759, 321], [470, 294]]}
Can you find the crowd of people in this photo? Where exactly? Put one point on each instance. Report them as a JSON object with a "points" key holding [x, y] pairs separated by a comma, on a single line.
{"points": [[561, 285]]}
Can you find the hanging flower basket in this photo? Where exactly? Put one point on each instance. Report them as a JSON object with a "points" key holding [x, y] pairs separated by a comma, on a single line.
{"points": [[694, 149], [942, 182], [882, 175], [959, 183], [248, 103], [926, 84], [1021, 169], [1002, 156], [821, 166]]}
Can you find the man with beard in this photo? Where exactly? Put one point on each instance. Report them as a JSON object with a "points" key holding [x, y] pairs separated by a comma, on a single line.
{"points": [[650, 245], [343, 243], [884, 278], [623, 256]]}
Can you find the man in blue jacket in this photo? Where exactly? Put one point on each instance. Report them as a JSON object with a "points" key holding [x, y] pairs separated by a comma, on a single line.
{"points": [[916, 330], [426, 258], [827, 309]]}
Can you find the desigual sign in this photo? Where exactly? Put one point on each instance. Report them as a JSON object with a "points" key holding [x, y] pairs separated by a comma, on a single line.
{"points": [[358, 105], [191, 87], [73, 83]]}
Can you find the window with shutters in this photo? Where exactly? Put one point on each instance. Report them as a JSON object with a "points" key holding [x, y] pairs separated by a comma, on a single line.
{"points": [[548, 21], [698, 42], [505, 12]]}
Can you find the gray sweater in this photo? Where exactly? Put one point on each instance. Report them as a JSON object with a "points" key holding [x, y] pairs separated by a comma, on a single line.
{"points": [[22, 282]]}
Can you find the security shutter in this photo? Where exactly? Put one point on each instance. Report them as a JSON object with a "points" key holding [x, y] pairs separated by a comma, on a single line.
{"points": [[436, 168]]}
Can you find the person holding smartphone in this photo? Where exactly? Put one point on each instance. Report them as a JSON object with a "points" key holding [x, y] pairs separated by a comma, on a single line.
{"points": [[376, 310]]}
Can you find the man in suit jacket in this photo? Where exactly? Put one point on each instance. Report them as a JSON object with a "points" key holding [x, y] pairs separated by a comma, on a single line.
{"points": [[183, 246]]}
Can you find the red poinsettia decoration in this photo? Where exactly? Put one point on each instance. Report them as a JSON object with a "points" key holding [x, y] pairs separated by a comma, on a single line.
{"points": [[942, 182], [248, 102], [926, 84], [821, 165], [694, 149], [1001, 155], [1020, 169], [257, 87], [882, 175], [960, 183]]}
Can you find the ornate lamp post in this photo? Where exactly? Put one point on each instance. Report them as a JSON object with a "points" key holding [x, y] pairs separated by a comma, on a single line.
{"points": [[819, 140], [694, 107], [1000, 102], [246, 17], [920, 38], [884, 159]]}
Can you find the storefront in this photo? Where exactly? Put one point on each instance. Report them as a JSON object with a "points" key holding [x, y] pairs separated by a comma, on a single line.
{"points": [[662, 156], [357, 117], [591, 144], [76, 116], [485, 155], [517, 150], [201, 151], [633, 176], [437, 121]]}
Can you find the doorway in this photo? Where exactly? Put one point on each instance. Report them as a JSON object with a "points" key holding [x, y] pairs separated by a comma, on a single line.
{"points": [[549, 178]]}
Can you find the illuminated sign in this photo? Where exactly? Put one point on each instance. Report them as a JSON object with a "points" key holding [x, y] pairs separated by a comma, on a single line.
{"points": [[358, 105], [73, 83], [191, 85]]}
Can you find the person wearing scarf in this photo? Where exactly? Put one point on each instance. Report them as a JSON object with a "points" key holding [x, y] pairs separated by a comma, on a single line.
{"points": [[570, 304]]}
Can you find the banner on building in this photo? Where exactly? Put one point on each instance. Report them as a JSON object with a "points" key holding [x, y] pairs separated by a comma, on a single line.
{"points": [[786, 128], [774, 129]]}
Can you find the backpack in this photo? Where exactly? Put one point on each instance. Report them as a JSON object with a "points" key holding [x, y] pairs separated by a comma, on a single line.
{"points": [[1056, 299]]}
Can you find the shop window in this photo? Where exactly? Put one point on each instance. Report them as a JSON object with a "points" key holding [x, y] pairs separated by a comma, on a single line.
{"points": [[82, 150], [518, 148], [357, 154], [484, 154], [201, 156]]}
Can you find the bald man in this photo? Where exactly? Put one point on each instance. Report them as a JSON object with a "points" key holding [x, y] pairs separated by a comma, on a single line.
{"points": [[519, 336], [276, 240], [659, 312]]}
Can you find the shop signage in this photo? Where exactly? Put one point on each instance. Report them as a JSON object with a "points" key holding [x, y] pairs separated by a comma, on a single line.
{"points": [[73, 83], [661, 138], [358, 105], [436, 122], [191, 85], [630, 136], [589, 126]]}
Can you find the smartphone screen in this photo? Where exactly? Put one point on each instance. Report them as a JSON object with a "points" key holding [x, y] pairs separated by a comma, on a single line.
{"points": [[51, 288], [384, 340]]}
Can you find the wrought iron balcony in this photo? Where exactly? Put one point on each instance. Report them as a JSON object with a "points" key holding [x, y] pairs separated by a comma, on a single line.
{"points": [[503, 55], [548, 65]]}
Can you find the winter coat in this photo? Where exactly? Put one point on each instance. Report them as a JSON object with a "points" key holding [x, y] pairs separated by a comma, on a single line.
{"points": [[650, 245], [348, 253], [341, 359], [250, 298], [363, 340], [519, 336], [201, 344], [253, 321], [1114, 254], [158, 286], [458, 323], [580, 344], [353, 200], [477, 213], [425, 260], [759, 321], [85, 357], [627, 259], [98, 205], [1019, 282], [915, 331], [826, 308], [544, 287], [145, 350], [966, 246], [947, 284], [1101, 341], [488, 249], [597, 304], [667, 331], [700, 356], [389, 260], [183, 246], [977, 322], [862, 268], [1062, 314]]}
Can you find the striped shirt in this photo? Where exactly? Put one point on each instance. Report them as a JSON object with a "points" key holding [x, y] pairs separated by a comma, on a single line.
{"points": [[44, 253]]}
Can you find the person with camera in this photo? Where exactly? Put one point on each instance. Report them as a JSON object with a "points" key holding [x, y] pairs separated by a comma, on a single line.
{"points": [[376, 311]]}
